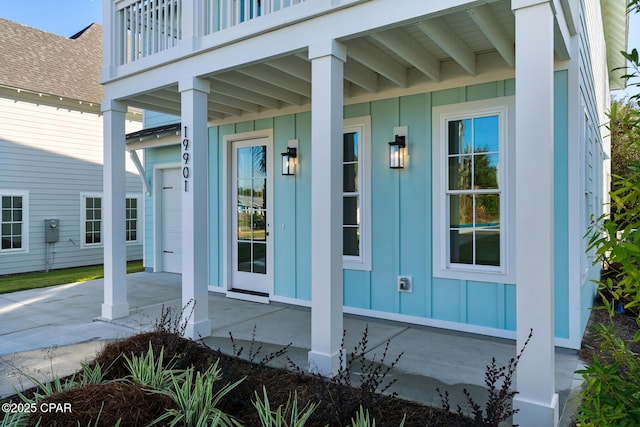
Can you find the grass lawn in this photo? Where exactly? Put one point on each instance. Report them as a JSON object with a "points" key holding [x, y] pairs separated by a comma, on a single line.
{"points": [[20, 282]]}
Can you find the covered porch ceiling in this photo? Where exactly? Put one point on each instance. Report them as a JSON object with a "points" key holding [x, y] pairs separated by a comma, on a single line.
{"points": [[464, 43]]}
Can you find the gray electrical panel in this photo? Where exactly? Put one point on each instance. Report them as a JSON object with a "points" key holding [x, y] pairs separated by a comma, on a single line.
{"points": [[51, 230]]}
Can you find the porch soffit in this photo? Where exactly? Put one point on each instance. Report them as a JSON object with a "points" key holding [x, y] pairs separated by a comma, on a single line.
{"points": [[463, 43], [616, 28]]}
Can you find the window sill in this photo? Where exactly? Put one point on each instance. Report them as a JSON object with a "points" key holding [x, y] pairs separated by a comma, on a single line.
{"points": [[101, 245], [358, 266], [476, 275], [13, 251]]}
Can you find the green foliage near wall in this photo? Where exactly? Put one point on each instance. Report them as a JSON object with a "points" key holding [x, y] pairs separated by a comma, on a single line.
{"points": [[616, 240], [610, 394]]}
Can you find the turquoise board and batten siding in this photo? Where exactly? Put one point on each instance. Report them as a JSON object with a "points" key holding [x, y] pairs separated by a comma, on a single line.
{"points": [[401, 204]]}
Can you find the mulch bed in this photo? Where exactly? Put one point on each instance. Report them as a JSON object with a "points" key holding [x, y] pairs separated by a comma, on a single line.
{"points": [[624, 325], [106, 403], [337, 403]]}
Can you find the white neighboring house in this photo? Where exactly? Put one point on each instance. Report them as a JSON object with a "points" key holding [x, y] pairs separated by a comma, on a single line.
{"points": [[51, 133], [500, 103]]}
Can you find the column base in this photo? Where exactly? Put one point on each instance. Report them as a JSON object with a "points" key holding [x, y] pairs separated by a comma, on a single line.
{"points": [[115, 311], [536, 414], [198, 330], [325, 364]]}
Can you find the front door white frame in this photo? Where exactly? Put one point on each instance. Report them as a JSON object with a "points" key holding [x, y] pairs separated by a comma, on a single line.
{"points": [[157, 213], [228, 206]]}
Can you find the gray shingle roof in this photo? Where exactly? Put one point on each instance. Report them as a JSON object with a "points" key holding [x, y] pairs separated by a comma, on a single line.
{"points": [[43, 62]]}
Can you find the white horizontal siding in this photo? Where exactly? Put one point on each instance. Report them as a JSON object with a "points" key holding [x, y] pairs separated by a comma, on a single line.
{"points": [[55, 154]]}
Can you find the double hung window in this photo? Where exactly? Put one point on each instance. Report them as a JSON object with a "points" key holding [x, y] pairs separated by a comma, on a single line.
{"points": [[356, 224], [93, 221], [14, 222], [472, 236]]}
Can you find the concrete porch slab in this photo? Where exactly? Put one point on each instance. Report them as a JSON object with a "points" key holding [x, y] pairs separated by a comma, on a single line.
{"points": [[62, 320]]}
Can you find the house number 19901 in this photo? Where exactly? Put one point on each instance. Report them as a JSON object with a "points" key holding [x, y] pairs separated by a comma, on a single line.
{"points": [[186, 156]]}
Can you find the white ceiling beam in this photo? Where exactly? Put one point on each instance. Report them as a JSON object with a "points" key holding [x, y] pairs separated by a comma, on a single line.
{"points": [[372, 57], [135, 102], [235, 102], [261, 88], [294, 65], [218, 98], [167, 94], [360, 75], [411, 51], [153, 99], [221, 87], [346, 88], [438, 31], [278, 78], [222, 108], [485, 19]]}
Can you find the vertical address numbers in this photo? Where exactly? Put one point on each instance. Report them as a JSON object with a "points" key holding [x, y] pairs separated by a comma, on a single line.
{"points": [[186, 157]]}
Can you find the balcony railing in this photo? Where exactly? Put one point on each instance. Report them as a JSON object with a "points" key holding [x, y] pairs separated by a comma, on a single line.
{"points": [[221, 14], [146, 27]]}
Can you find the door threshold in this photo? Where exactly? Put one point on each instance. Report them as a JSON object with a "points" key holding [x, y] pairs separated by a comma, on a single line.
{"points": [[243, 294]]}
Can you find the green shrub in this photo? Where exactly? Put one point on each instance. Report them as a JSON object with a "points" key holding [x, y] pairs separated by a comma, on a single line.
{"points": [[196, 400], [363, 419], [284, 416], [148, 371], [611, 393]]}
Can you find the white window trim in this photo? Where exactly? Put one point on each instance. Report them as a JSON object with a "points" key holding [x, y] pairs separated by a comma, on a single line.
{"points": [[25, 221], [83, 220], [505, 273], [362, 125]]}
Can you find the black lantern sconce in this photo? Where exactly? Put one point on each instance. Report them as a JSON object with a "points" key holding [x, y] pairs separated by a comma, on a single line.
{"points": [[397, 152], [289, 161]]}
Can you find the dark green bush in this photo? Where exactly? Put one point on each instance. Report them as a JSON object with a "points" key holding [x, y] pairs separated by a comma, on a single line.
{"points": [[611, 393]]}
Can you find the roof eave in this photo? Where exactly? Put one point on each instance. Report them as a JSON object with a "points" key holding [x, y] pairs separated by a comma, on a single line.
{"points": [[616, 30]]}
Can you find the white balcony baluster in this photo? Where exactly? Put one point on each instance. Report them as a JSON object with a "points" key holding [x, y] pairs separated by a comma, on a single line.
{"points": [[223, 14], [146, 27]]}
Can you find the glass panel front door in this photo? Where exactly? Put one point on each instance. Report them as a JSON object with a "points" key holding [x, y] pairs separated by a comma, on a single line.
{"points": [[251, 188], [250, 176]]}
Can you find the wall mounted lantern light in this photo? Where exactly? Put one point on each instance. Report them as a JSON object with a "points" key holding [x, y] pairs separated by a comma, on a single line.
{"points": [[289, 161], [397, 152]]}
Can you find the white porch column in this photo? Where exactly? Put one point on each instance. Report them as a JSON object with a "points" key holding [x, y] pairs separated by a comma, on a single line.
{"points": [[113, 211], [194, 94], [536, 399], [327, 67]]}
